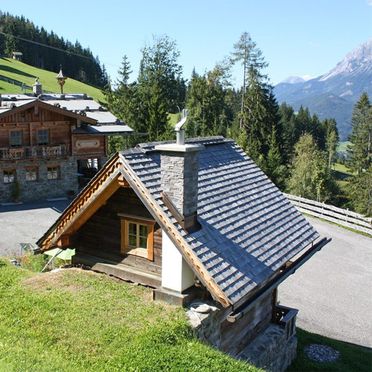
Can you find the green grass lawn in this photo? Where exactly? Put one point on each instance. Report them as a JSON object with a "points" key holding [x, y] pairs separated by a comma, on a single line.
{"points": [[26, 74], [76, 320]]}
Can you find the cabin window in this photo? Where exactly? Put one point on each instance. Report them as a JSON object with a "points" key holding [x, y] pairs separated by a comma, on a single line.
{"points": [[137, 237], [53, 173], [42, 136], [32, 174], [15, 138], [9, 176]]}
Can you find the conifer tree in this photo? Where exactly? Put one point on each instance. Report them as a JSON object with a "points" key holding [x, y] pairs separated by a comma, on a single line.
{"points": [[360, 152], [160, 85]]}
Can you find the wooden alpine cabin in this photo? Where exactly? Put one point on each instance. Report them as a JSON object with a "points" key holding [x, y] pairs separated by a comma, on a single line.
{"points": [[195, 221], [49, 141]]}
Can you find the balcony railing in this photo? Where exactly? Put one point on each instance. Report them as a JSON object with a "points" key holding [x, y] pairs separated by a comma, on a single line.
{"points": [[33, 152]]}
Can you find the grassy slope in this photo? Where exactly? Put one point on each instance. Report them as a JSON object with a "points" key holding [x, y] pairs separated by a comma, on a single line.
{"points": [[26, 74], [77, 321], [80, 321]]}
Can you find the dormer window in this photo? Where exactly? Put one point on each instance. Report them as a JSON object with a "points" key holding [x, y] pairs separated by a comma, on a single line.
{"points": [[15, 138], [43, 137]]}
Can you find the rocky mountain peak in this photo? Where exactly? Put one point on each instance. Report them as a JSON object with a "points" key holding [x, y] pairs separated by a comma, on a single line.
{"points": [[358, 60]]}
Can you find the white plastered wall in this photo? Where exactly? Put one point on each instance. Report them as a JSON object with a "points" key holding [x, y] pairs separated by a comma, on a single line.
{"points": [[176, 273]]}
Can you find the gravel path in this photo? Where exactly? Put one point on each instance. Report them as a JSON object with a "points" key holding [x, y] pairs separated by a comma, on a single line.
{"points": [[333, 290]]}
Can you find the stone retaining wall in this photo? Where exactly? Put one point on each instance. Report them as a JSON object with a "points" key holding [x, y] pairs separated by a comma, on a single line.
{"points": [[42, 188], [271, 350], [253, 337]]}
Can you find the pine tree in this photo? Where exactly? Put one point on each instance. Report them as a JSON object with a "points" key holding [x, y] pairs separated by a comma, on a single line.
{"points": [[209, 101], [247, 53], [160, 85], [275, 169], [360, 152]]}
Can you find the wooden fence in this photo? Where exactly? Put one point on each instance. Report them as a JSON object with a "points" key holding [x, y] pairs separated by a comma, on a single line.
{"points": [[328, 212]]}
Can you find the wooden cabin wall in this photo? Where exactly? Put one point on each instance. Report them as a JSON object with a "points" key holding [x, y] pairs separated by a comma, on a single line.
{"points": [[101, 235], [29, 122]]}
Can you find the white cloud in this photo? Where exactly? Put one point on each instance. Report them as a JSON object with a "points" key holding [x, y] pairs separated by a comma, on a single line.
{"points": [[369, 2]]}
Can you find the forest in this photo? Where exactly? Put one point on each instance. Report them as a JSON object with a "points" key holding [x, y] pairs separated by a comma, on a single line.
{"points": [[296, 150], [47, 50]]}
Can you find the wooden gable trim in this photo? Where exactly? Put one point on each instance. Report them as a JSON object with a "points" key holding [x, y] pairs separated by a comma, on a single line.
{"points": [[36, 104], [173, 233], [91, 198]]}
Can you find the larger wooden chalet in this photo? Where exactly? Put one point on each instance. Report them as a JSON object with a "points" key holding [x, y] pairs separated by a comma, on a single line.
{"points": [[196, 220], [48, 140]]}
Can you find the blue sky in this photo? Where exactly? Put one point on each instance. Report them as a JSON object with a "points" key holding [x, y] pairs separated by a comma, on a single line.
{"points": [[297, 37]]}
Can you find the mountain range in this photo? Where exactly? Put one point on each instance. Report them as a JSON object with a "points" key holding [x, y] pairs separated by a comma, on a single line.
{"points": [[332, 95]]}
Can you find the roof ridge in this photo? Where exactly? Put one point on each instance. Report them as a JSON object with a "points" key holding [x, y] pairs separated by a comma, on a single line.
{"points": [[206, 141]]}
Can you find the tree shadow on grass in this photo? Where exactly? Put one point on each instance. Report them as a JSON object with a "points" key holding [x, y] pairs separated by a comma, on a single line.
{"points": [[352, 357], [15, 71]]}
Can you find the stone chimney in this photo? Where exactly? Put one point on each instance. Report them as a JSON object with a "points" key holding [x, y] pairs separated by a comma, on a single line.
{"points": [[37, 88], [179, 178], [179, 183]]}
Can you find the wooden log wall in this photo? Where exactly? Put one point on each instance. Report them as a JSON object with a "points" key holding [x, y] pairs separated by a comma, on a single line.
{"points": [[101, 234], [29, 121]]}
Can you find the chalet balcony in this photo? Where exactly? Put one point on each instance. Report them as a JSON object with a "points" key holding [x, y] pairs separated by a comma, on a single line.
{"points": [[33, 152]]}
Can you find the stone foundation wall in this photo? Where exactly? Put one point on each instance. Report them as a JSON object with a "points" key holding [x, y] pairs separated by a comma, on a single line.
{"points": [[253, 337], [42, 188], [271, 350], [213, 327]]}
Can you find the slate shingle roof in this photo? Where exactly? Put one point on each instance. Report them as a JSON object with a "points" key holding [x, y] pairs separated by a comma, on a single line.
{"points": [[249, 229]]}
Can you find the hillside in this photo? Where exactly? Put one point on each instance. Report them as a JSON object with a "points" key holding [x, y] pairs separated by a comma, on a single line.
{"points": [[22, 73], [333, 94], [45, 49]]}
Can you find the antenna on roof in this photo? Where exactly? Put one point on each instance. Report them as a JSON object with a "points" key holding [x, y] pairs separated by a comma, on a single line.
{"points": [[180, 131]]}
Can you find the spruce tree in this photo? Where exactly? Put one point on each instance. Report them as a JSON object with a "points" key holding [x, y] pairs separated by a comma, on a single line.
{"points": [[360, 152], [160, 85]]}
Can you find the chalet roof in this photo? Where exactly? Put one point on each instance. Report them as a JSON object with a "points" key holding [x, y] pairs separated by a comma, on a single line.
{"points": [[79, 104], [249, 230]]}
